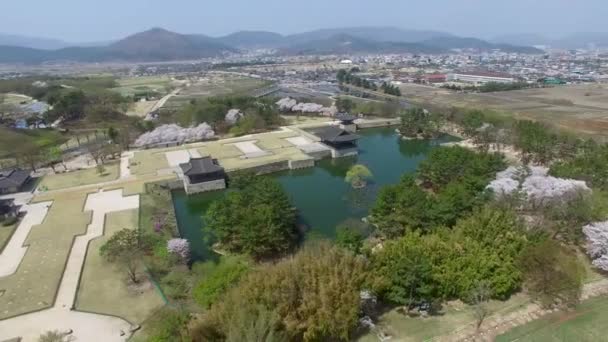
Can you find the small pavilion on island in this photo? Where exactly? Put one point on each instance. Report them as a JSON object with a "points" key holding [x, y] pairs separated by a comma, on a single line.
{"points": [[347, 121], [203, 174]]}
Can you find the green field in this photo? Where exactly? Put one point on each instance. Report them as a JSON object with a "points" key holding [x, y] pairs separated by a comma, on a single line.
{"points": [[79, 178], [215, 85], [104, 287], [134, 85], [34, 286], [589, 322]]}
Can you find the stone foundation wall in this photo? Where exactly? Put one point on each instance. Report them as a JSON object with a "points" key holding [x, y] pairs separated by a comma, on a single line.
{"points": [[349, 152], [318, 155], [301, 164], [379, 123], [219, 184], [268, 168]]}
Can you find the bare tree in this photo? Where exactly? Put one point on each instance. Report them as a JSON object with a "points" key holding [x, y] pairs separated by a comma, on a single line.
{"points": [[480, 295]]}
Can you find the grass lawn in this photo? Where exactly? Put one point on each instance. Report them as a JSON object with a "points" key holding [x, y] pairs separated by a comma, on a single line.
{"points": [[5, 234], [148, 162], [134, 85], [16, 99], [141, 109], [34, 286], [589, 322], [403, 328], [103, 286], [81, 177]]}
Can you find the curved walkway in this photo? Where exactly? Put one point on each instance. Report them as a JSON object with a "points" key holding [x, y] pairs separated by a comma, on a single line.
{"points": [[85, 326]]}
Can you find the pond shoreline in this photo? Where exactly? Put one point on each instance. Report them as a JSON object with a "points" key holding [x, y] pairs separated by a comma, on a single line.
{"points": [[323, 198]]}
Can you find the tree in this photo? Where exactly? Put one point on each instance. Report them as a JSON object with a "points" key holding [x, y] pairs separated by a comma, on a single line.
{"points": [[553, 275], [350, 239], [313, 296], [217, 278], [418, 122], [590, 166], [113, 134], [405, 266], [447, 164], [472, 121], [480, 295], [358, 175], [535, 141], [70, 106], [124, 248], [597, 243], [258, 220], [55, 154], [401, 207], [344, 105], [168, 325]]}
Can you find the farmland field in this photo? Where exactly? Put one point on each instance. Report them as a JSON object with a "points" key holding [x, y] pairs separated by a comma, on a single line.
{"points": [[589, 322], [131, 86], [215, 85], [582, 108]]}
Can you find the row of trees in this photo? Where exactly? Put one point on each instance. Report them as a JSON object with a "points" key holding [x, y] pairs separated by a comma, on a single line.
{"points": [[348, 77], [390, 89]]}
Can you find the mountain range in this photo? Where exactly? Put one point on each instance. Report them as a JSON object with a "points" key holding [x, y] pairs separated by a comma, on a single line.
{"points": [[573, 41], [158, 44]]}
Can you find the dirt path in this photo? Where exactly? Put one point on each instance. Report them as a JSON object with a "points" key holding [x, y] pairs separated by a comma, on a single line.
{"points": [[164, 100]]}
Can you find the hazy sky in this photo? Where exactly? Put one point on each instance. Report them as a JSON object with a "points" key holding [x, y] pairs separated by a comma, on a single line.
{"points": [[95, 20]]}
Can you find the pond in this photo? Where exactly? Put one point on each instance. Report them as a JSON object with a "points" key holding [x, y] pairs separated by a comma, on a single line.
{"points": [[323, 199]]}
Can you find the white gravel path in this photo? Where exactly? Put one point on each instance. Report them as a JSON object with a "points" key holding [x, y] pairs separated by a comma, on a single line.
{"points": [[125, 160], [174, 158], [85, 326], [14, 251]]}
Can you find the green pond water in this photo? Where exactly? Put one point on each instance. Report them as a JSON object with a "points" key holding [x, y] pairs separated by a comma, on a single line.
{"points": [[323, 199]]}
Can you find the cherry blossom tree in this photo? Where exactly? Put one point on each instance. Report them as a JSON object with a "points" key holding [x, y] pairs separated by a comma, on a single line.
{"points": [[180, 247], [175, 133], [539, 188], [597, 243]]}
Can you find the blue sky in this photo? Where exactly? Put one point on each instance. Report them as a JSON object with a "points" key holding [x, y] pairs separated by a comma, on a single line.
{"points": [[98, 20]]}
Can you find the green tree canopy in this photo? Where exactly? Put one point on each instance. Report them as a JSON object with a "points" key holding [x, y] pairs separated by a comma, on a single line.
{"points": [[257, 220], [313, 296]]}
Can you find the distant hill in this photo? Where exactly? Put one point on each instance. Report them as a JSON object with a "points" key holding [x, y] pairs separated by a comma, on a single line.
{"points": [[159, 44], [346, 44], [474, 43], [31, 42], [581, 40], [375, 33], [152, 45], [528, 39], [253, 39]]}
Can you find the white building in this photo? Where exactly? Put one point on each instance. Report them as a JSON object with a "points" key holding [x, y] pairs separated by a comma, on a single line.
{"points": [[480, 78]]}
